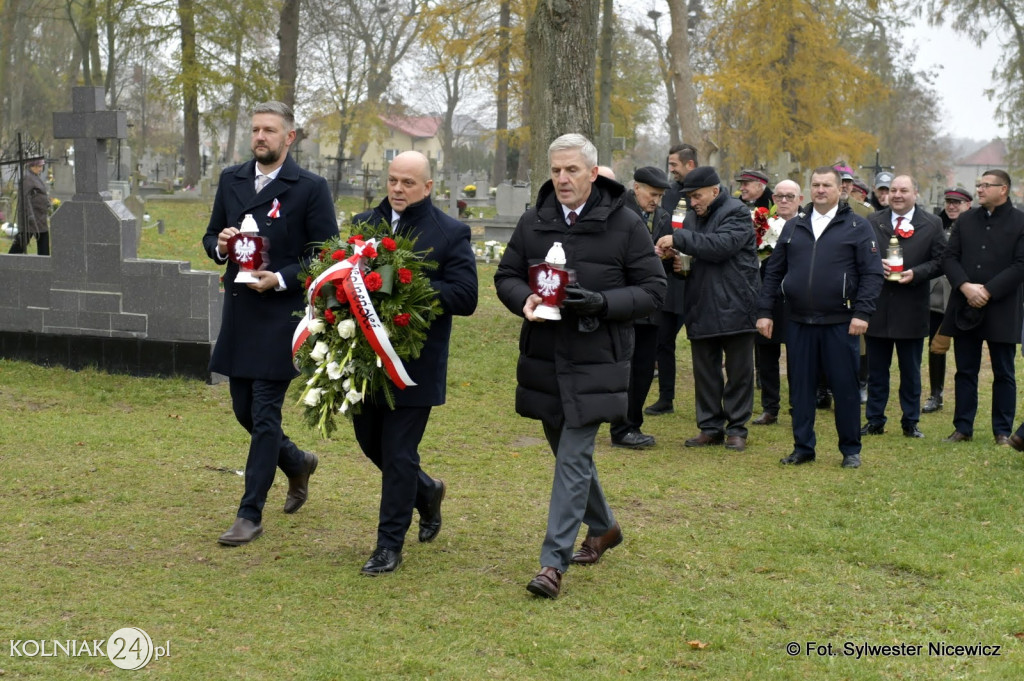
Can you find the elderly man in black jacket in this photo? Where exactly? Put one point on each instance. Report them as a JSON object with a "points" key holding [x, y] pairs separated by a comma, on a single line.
{"points": [[985, 267], [721, 293], [826, 264], [649, 183], [900, 320], [573, 374]]}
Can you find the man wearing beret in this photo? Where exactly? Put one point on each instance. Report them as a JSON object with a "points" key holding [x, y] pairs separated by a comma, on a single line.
{"points": [[985, 267], [859, 198], [753, 189], [827, 265], [957, 200], [649, 184], [720, 299]]}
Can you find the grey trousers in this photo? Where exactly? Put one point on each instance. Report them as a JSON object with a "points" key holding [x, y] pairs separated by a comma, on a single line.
{"points": [[724, 400], [576, 494]]}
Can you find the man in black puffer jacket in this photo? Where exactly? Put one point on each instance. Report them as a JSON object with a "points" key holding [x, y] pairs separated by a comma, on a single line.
{"points": [[573, 374], [827, 266]]}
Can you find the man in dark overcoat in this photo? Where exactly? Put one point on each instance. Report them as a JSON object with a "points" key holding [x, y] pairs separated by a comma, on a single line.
{"points": [[573, 373], [901, 314], [293, 209], [721, 296], [390, 438], [985, 267]]}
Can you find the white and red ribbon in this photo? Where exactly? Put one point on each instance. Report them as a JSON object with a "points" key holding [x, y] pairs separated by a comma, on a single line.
{"points": [[275, 209], [349, 277]]}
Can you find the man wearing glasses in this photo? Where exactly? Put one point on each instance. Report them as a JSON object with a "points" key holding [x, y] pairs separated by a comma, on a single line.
{"points": [[985, 267], [787, 196], [957, 202]]}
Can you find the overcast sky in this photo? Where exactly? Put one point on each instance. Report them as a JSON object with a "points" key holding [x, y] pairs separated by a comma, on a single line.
{"points": [[964, 71]]}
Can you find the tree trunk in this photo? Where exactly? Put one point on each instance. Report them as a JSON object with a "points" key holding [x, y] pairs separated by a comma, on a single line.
{"points": [[604, 102], [189, 91], [500, 171], [288, 59], [560, 39], [235, 104], [682, 77]]}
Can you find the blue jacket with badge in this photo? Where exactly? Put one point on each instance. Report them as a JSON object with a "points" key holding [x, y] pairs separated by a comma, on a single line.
{"points": [[830, 280]]}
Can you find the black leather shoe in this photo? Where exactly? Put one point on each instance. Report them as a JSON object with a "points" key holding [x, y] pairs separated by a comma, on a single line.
{"points": [[1016, 441], [766, 419], [912, 431], [383, 560], [932, 404], [873, 429], [547, 583], [430, 517], [634, 439], [242, 532], [658, 408], [795, 459], [823, 400], [957, 436], [851, 460], [1003, 440], [705, 439], [298, 487]]}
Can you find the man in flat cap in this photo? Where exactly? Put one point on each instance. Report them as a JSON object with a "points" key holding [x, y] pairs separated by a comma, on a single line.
{"points": [[859, 198], [720, 297], [753, 189], [880, 196], [956, 200], [649, 185]]}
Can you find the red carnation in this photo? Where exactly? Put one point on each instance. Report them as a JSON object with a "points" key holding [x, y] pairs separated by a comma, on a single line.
{"points": [[388, 243], [354, 238], [404, 275], [329, 316], [369, 251], [309, 280], [373, 281], [338, 255], [402, 319]]}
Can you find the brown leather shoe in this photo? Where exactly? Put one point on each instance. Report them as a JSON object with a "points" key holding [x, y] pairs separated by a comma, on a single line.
{"points": [[1002, 440], [242, 532], [736, 443], [957, 436], [1016, 441], [593, 548], [298, 487], [766, 419], [546, 584], [705, 439]]}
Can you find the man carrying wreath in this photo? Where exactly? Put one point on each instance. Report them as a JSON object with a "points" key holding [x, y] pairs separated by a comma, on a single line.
{"points": [[390, 438]]}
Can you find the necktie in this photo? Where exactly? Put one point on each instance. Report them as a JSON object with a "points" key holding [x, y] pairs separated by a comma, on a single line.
{"points": [[394, 225], [572, 218], [261, 182], [900, 231]]}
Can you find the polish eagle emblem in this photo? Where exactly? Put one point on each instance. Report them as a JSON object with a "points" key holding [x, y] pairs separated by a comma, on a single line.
{"points": [[244, 250], [548, 282]]}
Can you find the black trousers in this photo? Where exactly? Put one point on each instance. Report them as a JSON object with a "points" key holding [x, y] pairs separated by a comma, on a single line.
{"points": [[936, 363], [640, 378], [767, 357], [668, 331], [20, 244], [257, 406], [391, 439], [831, 348], [724, 400]]}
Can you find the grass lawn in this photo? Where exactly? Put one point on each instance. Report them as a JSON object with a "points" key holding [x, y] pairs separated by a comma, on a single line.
{"points": [[114, 490]]}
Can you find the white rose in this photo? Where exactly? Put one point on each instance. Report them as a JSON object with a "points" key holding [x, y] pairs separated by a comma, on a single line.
{"points": [[346, 328], [316, 325], [319, 351], [333, 371], [313, 397]]}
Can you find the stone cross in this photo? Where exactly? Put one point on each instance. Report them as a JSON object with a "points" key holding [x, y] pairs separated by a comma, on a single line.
{"points": [[607, 143], [90, 124]]}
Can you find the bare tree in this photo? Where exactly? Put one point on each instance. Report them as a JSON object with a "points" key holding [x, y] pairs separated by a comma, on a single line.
{"points": [[682, 76]]}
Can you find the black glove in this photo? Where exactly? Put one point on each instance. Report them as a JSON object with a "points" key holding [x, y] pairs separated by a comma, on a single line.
{"points": [[583, 302]]}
